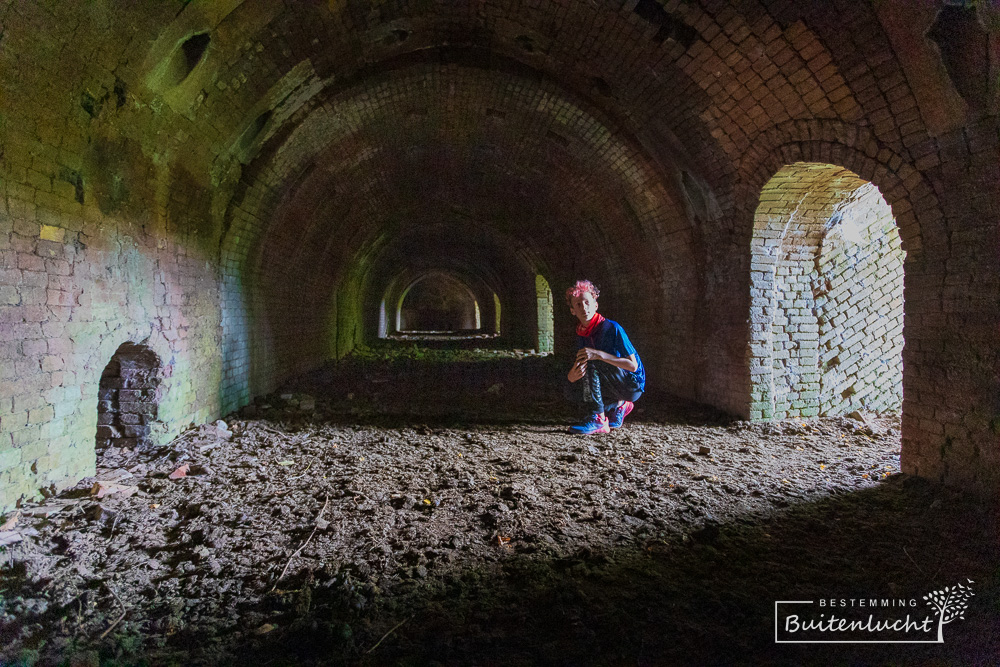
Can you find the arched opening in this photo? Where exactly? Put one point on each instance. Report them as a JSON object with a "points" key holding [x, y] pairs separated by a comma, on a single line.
{"points": [[128, 398], [546, 323], [826, 296], [438, 303], [496, 312], [383, 320], [183, 59]]}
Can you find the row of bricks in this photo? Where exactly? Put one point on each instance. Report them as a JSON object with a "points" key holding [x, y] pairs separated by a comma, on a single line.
{"points": [[111, 418], [107, 431]]}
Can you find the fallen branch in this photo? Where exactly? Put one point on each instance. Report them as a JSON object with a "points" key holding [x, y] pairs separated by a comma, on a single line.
{"points": [[124, 611], [114, 525], [183, 436], [299, 550], [303, 473], [391, 630]]}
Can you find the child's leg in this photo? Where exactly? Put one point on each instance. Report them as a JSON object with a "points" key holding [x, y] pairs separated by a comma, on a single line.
{"points": [[616, 385]]}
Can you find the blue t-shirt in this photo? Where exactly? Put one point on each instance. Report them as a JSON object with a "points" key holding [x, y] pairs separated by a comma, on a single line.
{"points": [[608, 336]]}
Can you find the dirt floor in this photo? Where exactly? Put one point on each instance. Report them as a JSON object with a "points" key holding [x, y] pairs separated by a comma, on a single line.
{"points": [[432, 509]]}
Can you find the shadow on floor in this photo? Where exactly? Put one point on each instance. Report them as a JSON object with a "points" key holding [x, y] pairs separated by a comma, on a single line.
{"points": [[702, 599], [454, 391]]}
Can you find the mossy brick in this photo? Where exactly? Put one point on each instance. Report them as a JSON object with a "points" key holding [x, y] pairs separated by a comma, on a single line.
{"points": [[30, 451], [54, 428], [9, 296], [138, 408], [52, 363], [135, 395], [27, 401], [135, 431]]}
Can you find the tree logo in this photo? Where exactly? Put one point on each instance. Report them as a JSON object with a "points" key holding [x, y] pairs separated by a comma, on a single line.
{"points": [[870, 620], [950, 603]]}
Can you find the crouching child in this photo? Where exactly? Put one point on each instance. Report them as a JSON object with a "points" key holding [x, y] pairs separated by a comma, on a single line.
{"points": [[607, 376]]}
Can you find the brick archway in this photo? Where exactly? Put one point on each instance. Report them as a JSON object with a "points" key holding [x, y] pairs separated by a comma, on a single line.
{"points": [[826, 304]]}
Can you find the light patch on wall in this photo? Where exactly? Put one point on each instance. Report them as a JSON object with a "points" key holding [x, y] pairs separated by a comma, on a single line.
{"points": [[848, 227], [50, 233]]}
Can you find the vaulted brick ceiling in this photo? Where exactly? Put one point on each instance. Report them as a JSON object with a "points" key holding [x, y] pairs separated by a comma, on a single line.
{"points": [[596, 139], [585, 122]]}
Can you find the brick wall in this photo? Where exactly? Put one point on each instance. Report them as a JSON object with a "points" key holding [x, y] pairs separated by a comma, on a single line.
{"points": [[100, 245], [128, 398], [859, 294]]}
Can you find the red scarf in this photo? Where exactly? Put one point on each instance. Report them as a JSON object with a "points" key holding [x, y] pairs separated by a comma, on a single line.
{"points": [[586, 330]]}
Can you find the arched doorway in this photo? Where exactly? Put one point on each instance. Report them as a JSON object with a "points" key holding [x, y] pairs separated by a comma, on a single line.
{"points": [[826, 296], [546, 321]]}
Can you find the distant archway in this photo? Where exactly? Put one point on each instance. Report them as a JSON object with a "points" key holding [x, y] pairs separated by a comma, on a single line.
{"points": [[826, 296], [128, 397], [438, 302]]}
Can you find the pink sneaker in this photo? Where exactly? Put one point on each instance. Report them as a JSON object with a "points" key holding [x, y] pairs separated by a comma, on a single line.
{"points": [[597, 423], [617, 415]]}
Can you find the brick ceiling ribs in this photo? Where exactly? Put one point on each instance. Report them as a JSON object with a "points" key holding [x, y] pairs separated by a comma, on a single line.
{"points": [[599, 124]]}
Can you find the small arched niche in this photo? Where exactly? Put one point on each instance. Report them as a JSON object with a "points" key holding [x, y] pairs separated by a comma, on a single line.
{"points": [[182, 61], [438, 303], [826, 296], [128, 398]]}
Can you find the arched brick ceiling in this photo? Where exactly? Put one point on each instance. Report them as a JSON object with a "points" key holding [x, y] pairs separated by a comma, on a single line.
{"points": [[492, 264], [693, 84], [537, 163]]}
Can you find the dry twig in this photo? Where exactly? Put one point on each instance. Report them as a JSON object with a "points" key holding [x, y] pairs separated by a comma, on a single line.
{"points": [[183, 436], [303, 473], [919, 569], [273, 431], [299, 550], [124, 611], [391, 630], [114, 525]]}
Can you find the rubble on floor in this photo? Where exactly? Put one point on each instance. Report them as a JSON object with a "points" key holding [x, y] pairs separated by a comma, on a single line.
{"points": [[298, 517]]}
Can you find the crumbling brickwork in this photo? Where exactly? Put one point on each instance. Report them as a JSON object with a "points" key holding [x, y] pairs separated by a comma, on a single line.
{"points": [[128, 398], [545, 316], [859, 292]]}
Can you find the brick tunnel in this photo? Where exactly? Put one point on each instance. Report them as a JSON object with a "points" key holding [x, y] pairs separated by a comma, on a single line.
{"points": [[223, 210]]}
